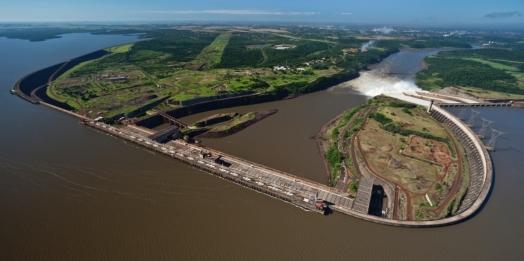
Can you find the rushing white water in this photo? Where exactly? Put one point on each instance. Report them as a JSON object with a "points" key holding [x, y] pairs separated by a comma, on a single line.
{"points": [[393, 76], [373, 83], [398, 87]]}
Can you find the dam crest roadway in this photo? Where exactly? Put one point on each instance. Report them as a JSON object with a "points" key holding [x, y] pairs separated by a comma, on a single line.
{"points": [[307, 194], [304, 193]]}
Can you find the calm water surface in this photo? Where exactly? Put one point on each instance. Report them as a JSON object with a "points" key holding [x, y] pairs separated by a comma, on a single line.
{"points": [[70, 193]]}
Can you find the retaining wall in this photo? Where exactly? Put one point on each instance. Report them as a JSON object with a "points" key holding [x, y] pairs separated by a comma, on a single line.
{"points": [[478, 158]]}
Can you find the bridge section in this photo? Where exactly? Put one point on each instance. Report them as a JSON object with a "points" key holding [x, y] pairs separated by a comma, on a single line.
{"points": [[173, 120]]}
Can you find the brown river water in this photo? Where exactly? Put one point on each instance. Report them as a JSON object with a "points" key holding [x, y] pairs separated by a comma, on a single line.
{"points": [[68, 192]]}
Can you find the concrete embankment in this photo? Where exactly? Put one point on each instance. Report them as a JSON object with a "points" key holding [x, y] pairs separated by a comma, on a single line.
{"points": [[25, 86], [283, 183], [190, 154], [480, 165], [33, 86]]}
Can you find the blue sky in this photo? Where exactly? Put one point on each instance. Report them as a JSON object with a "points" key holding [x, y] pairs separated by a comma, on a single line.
{"points": [[401, 12]]}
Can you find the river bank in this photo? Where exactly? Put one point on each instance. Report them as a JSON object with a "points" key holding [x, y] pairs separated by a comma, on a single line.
{"points": [[128, 203], [33, 87]]}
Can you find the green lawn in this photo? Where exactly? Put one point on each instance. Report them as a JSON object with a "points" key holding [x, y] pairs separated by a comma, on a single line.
{"points": [[493, 64], [120, 48], [213, 52]]}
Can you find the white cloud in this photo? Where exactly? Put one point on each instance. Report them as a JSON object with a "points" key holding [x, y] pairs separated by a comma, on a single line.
{"points": [[346, 13], [232, 12]]}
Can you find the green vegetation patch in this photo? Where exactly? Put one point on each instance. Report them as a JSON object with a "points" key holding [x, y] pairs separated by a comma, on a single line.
{"points": [[234, 123], [488, 69], [120, 48], [415, 160], [212, 54], [183, 65]]}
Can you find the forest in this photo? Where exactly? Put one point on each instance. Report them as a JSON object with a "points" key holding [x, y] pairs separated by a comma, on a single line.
{"points": [[185, 64], [490, 69]]}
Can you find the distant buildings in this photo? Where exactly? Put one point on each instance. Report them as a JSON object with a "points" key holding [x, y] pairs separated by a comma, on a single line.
{"points": [[280, 68], [284, 46], [114, 79]]}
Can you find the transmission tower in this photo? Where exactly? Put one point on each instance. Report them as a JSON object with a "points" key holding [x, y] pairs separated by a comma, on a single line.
{"points": [[461, 114], [494, 135], [474, 114], [485, 124]]}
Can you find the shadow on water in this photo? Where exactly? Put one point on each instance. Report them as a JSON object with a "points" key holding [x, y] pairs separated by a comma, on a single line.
{"points": [[41, 93], [328, 210], [42, 77]]}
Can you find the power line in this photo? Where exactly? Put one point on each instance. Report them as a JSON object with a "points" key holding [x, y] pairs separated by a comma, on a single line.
{"points": [[485, 124], [461, 114], [494, 135], [474, 114]]}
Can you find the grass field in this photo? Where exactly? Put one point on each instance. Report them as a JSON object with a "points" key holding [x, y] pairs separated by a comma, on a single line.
{"points": [[212, 53], [120, 48], [184, 64], [414, 121], [233, 122], [480, 69], [494, 64], [414, 163], [518, 73]]}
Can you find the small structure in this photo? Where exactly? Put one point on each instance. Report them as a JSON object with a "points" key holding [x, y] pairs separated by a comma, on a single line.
{"points": [[164, 134], [280, 68], [114, 79], [284, 46], [430, 106]]}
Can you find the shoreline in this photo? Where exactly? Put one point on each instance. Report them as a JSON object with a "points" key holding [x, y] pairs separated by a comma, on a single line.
{"points": [[319, 84], [36, 83], [322, 149], [463, 216], [433, 223]]}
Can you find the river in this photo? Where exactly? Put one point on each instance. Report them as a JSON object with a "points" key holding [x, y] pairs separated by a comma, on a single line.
{"points": [[70, 193]]}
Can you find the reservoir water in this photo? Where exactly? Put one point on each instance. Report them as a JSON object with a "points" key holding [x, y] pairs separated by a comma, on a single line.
{"points": [[70, 193]]}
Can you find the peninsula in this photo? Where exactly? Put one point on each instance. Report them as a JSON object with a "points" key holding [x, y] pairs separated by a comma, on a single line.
{"points": [[389, 161]]}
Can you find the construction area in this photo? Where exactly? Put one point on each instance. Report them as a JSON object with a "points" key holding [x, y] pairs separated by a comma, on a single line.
{"points": [[403, 162]]}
